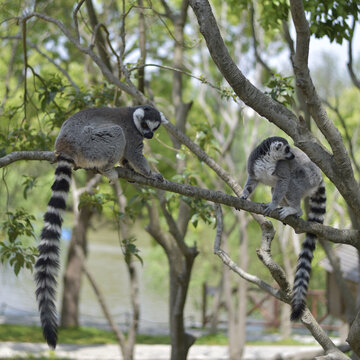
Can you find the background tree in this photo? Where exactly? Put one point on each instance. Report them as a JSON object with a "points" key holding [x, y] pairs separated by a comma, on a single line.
{"points": [[164, 61]]}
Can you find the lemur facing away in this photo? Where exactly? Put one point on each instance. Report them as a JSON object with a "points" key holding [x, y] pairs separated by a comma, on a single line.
{"points": [[292, 176], [96, 138]]}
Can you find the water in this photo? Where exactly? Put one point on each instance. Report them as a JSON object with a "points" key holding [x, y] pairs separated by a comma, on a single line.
{"points": [[106, 263]]}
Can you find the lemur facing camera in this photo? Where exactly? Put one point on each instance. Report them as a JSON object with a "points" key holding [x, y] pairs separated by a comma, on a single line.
{"points": [[292, 176], [96, 138]]}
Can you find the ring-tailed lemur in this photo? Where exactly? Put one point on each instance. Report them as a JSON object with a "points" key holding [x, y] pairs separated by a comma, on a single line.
{"points": [[292, 176], [96, 138]]}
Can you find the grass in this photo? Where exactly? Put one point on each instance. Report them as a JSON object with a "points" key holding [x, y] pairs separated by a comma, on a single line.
{"points": [[78, 336], [91, 336]]}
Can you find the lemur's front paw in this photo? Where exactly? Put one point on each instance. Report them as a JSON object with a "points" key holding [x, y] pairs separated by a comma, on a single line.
{"points": [[157, 176], [244, 196], [269, 208]]}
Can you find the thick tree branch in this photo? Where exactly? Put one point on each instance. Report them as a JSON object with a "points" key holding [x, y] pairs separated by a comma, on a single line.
{"points": [[338, 171], [247, 92], [174, 229], [349, 187], [348, 136], [350, 237], [353, 337], [27, 155]]}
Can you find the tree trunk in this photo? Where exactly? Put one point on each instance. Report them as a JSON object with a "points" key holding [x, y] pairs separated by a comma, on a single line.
{"points": [[180, 270], [73, 269], [74, 263]]}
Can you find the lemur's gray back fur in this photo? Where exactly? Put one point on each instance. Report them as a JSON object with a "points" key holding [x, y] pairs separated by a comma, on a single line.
{"points": [[96, 138], [293, 176]]}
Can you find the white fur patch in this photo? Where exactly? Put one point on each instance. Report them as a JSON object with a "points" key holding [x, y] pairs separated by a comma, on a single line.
{"points": [[138, 116], [56, 211], [152, 124], [61, 177], [163, 118], [263, 169], [52, 227]]}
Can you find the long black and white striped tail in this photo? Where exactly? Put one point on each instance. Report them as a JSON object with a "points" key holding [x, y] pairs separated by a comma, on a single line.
{"points": [[317, 207], [47, 264]]}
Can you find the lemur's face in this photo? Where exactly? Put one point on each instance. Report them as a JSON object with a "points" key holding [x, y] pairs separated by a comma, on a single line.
{"points": [[147, 120], [281, 151]]}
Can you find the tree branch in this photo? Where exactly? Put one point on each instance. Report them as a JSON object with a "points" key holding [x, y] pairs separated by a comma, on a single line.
{"points": [[258, 57], [27, 155], [116, 330], [99, 39], [225, 258], [285, 296], [339, 171], [129, 88], [354, 78], [343, 236], [317, 111]]}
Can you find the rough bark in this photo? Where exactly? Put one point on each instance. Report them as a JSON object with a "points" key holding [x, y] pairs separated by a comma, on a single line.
{"points": [[283, 294], [73, 268], [335, 165], [338, 236], [180, 256], [353, 337]]}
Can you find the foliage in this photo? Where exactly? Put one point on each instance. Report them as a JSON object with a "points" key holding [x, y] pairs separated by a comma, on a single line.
{"points": [[18, 224], [29, 183], [96, 200], [332, 18], [24, 137], [129, 250], [282, 89], [32, 123]]}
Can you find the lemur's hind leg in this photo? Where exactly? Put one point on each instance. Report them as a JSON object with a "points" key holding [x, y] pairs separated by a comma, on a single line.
{"points": [[291, 206]]}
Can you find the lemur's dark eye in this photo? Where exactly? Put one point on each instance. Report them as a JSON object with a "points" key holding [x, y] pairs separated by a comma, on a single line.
{"points": [[287, 148], [144, 126]]}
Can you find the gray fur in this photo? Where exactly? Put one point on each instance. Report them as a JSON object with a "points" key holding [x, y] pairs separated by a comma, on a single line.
{"points": [[99, 138], [292, 176], [289, 171]]}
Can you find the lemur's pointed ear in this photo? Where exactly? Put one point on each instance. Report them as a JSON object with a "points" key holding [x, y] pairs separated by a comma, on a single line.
{"points": [[138, 114], [163, 118]]}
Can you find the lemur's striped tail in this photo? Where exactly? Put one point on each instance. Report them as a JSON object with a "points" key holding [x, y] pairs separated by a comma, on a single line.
{"points": [[47, 264], [317, 207]]}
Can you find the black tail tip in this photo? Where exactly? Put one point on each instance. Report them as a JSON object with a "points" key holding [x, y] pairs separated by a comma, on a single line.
{"points": [[50, 336], [52, 342], [297, 312]]}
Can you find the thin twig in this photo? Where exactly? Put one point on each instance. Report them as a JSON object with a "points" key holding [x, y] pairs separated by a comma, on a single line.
{"points": [[225, 258], [76, 10]]}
